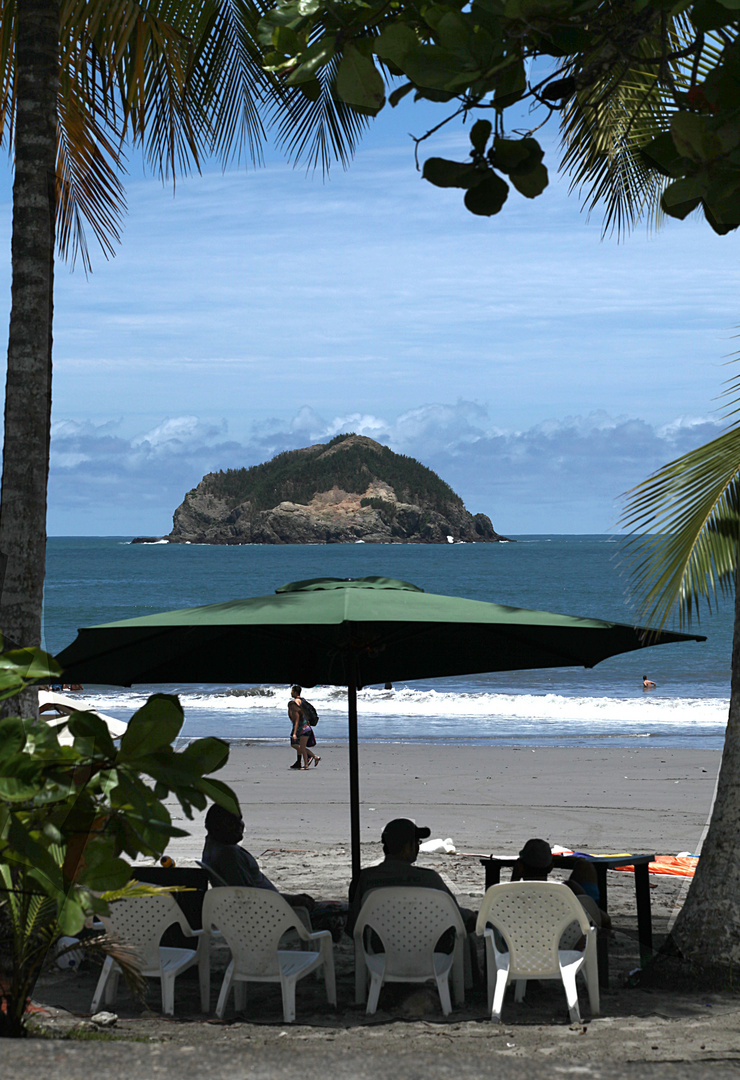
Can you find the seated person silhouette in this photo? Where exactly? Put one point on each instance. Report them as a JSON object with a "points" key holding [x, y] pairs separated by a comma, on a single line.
{"points": [[401, 839], [232, 863], [535, 863]]}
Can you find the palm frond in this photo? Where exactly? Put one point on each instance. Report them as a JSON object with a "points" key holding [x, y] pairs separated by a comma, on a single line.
{"points": [[321, 131], [605, 126], [685, 522]]}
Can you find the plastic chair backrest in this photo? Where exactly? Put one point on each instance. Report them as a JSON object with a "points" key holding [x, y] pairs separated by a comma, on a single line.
{"points": [[531, 916], [140, 922], [409, 921], [252, 922]]}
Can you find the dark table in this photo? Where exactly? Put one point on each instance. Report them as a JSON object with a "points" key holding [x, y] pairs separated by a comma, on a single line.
{"points": [[493, 864]]}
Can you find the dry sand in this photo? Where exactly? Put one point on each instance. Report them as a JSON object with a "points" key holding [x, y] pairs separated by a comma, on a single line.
{"points": [[487, 800]]}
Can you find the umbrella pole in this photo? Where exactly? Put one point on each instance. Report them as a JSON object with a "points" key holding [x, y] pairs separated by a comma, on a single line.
{"points": [[354, 774]]}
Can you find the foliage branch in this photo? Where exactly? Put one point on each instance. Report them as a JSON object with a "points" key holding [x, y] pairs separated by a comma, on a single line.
{"points": [[72, 815], [647, 91]]}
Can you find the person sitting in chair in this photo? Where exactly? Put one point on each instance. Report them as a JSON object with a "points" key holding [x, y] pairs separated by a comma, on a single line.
{"points": [[401, 839], [535, 863], [232, 863]]}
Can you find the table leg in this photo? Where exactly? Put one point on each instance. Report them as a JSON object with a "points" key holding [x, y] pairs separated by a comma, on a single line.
{"points": [[493, 872], [644, 914]]}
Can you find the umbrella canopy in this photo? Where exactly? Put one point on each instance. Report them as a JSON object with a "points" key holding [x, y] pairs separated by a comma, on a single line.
{"points": [[344, 633]]}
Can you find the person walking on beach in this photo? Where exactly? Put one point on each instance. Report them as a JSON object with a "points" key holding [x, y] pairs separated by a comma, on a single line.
{"points": [[648, 684], [301, 732]]}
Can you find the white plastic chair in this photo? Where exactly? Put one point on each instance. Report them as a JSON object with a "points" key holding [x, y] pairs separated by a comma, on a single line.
{"points": [[409, 922], [531, 917], [252, 922], [139, 923]]}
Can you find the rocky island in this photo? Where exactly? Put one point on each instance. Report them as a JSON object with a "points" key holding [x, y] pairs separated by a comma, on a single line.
{"points": [[348, 490]]}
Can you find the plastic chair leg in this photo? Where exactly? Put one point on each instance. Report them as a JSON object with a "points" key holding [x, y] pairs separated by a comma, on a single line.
{"points": [[225, 988], [102, 985], [591, 973], [287, 985], [240, 995], [360, 974], [376, 982], [571, 993], [520, 989], [168, 994], [330, 981], [443, 987], [498, 995], [458, 972]]}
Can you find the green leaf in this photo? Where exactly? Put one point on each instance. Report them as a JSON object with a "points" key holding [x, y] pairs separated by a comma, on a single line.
{"points": [[682, 197], [208, 754], [220, 793], [394, 43], [530, 184], [399, 93], [516, 155], [710, 14], [359, 83], [85, 725], [480, 133], [434, 68], [315, 57], [661, 154], [446, 174], [488, 196], [689, 131], [155, 724], [12, 736]]}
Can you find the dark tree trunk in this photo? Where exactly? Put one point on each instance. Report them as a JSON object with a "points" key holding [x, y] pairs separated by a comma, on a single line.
{"points": [[28, 386], [707, 929]]}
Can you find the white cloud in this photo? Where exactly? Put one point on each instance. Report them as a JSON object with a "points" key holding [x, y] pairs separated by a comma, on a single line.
{"points": [[557, 476]]}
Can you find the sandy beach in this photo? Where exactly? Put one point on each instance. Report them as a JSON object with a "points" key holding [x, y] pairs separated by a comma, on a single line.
{"points": [[487, 800]]}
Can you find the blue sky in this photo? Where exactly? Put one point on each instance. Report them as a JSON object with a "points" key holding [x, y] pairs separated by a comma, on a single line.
{"points": [[539, 369]]}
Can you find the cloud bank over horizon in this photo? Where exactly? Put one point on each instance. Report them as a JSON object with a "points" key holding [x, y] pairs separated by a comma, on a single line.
{"points": [[563, 475]]}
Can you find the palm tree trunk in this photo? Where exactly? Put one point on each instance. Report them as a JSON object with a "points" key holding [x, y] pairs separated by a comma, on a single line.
{"points": [[708, 928], [28, 385]]}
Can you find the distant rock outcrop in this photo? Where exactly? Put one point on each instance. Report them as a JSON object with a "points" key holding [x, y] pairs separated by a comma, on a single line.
{"points": [[348, 490]]}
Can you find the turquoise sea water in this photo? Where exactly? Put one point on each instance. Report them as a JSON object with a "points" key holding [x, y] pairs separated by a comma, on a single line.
{"points": [[101, 579]]}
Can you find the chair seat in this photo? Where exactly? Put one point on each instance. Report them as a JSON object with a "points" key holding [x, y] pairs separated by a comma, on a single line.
{"points": [[442, 965]]}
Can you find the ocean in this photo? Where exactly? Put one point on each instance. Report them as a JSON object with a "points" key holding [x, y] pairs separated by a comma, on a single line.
{"points": [[91, 580]]}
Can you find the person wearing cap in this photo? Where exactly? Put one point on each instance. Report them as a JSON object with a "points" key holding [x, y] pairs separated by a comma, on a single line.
{"points": [[401, 839], [535, 863]]}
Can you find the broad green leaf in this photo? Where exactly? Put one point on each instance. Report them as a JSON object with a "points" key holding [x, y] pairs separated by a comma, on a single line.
{"points": [[220, 793], [86, 725], [488, 196], [71, 916], [394, 43], [12, 736], [682, 197], [530, 184], [689, 131], [661, 154], [445, 174], [155, 724], [399, 93], [359, 83], [516, 155], [209, 754], [454, 31], [435, 68], [480, 133]]}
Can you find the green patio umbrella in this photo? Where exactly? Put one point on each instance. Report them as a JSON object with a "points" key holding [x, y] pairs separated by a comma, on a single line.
{"points": [[351, 633]]}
